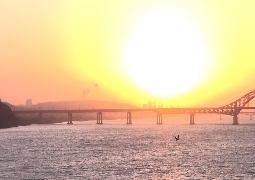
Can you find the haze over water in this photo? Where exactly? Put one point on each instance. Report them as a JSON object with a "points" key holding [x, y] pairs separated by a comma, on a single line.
{"points": [[210, 149]]}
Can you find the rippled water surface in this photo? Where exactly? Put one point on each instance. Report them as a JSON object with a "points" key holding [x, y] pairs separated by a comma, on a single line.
{"points": [[210, 149]]}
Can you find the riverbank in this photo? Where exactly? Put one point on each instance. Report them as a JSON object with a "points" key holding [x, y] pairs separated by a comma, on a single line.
{"points": [[7, 117]]}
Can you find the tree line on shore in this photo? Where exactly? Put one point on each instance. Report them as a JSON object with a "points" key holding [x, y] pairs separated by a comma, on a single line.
{"points": [[7, 117]]}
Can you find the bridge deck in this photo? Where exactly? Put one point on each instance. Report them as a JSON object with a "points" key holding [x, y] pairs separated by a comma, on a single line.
{"points": [[158, 110]]}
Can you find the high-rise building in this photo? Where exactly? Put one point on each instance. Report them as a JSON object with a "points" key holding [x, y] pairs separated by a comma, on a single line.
{"points": [[149, 104], [160, 105], [154, 105], [29, 102]]}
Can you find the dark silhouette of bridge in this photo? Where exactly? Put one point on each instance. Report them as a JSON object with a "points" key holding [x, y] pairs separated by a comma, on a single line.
{"points": [[232, 109]]}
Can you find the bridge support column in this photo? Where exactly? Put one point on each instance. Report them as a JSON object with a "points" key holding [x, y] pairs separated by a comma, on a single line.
{"points": [[235, 120], [70, 121], [250, 116], [159, 119], [129, 118], [99, 118], [192, 121]]}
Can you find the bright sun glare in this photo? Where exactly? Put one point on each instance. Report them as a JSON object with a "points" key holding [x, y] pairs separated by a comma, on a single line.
{"points": [[166, 54]]}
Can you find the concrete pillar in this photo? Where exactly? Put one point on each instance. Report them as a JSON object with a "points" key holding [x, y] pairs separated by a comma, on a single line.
{"points": [[70, 120], [235, 120], [159, 119], [192, 119], [235, 117], [99, 118], [129, 118]]}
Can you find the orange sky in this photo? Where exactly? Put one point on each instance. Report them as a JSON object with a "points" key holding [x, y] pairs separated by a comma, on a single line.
{"points": [[54, 50]]}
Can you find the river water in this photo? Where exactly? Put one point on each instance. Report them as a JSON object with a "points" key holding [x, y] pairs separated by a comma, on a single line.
{"points": [[210, 149]]}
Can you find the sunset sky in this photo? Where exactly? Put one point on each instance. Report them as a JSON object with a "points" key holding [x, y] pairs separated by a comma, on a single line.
{"points": [[53, 50]]}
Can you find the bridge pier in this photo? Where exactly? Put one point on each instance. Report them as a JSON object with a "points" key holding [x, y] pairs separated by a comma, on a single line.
{"points": [[235, 120], [70, 121], [129, 118], [99, 118], [192, 119], [159, 119]]}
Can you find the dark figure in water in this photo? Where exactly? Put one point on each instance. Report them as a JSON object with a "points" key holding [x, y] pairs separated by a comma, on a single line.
{"points": [[177, 138]]}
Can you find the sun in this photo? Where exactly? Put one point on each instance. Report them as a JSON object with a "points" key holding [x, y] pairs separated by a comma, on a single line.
{"points": [[166, 55]]}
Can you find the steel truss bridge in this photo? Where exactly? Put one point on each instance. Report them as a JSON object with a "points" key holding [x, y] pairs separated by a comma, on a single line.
{"points": [[232, 109]]}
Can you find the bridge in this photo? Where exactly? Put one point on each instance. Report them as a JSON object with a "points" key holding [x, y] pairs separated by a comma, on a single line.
{"points": [[232, 109]]}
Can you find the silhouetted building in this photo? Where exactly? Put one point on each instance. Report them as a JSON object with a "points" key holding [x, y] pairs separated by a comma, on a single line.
{"points": [[154, 105], [29, 102], [149, 104], [145, 106], [160, 105]]}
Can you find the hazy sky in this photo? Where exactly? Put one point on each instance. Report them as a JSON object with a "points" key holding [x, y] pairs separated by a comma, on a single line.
{"points": [[53, 50]]}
